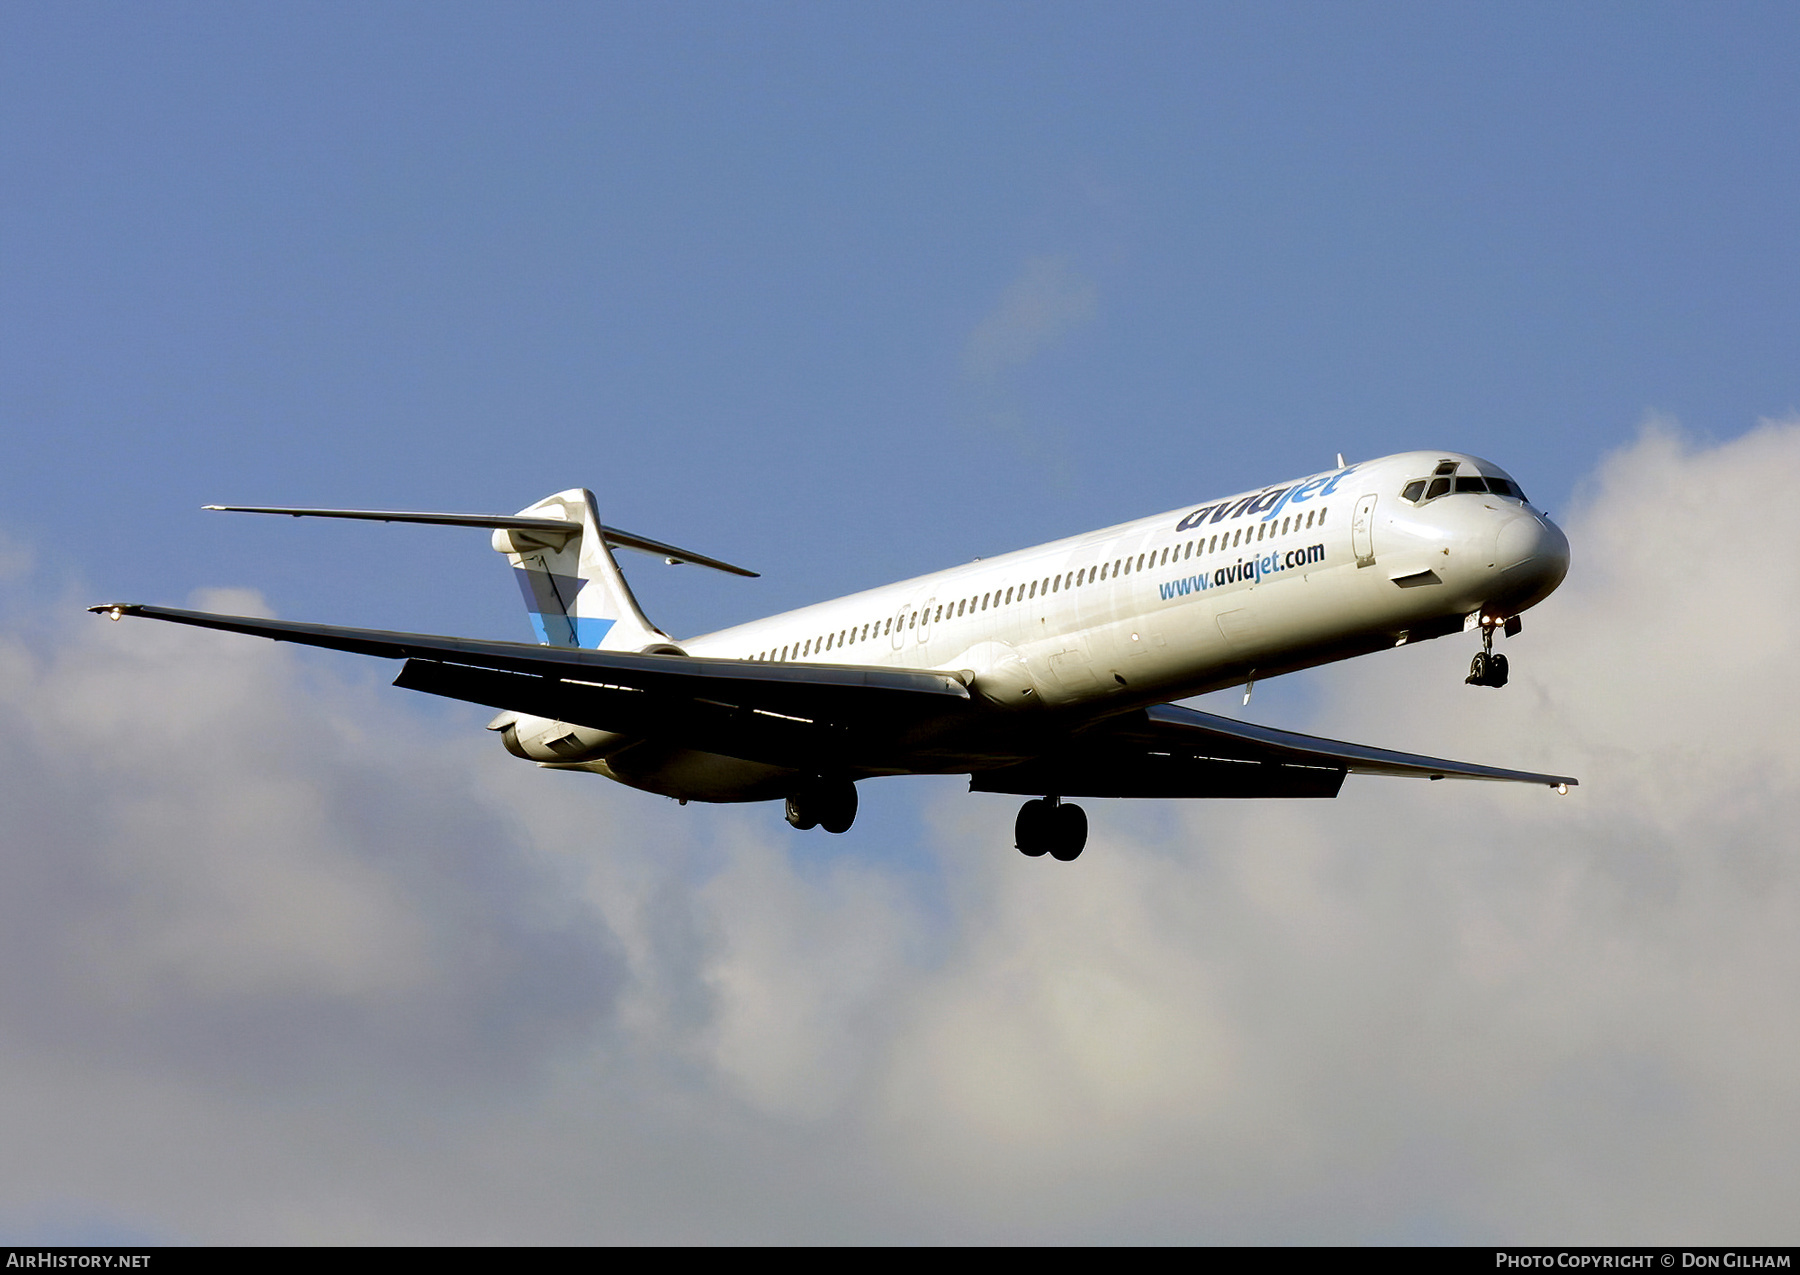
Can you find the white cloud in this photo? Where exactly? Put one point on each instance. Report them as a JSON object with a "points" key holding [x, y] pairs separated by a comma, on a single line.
{"points": [[1046, 302], [278, 964]]}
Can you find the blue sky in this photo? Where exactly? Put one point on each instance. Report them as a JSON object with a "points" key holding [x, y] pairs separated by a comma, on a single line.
{"points": [[722, 265], [845, 293]]}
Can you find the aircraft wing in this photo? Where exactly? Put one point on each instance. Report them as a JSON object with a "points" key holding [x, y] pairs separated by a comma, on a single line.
{"points": [[856, 717], [1169, 751], [785, 714]]}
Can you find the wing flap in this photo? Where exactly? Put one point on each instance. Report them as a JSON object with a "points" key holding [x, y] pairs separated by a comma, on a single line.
{"points": [[707, 725], [1125, 773]]}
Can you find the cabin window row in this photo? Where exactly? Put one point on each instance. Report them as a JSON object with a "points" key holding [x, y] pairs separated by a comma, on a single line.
{"points": [[1049, 584]]}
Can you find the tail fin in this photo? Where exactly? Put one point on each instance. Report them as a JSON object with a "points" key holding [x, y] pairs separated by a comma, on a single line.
{"points": [[560, 553], [573, 588]]}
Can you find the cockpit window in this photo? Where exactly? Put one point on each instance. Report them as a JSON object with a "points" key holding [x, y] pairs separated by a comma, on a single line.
{"points": [[1445, 480]]}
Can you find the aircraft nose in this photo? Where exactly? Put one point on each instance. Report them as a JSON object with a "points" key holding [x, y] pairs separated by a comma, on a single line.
{"points": [[1532, 553]]}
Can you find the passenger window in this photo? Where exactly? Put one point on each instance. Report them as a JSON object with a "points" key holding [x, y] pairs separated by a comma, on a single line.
{"points": [[1140, 562], [1261, 527], [1438, 487], [1322, 514], [1212, 545]]}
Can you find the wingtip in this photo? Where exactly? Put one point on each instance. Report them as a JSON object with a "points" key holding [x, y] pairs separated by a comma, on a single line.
{"points": [[114, 610]]}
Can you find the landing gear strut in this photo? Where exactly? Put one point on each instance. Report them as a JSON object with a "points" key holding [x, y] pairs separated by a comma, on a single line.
{"points": [[1487, 668], [826, 803], [1048, 826]]}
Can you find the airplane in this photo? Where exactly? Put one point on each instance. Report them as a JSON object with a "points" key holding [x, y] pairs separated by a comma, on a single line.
{"points": [[1047, 673]]}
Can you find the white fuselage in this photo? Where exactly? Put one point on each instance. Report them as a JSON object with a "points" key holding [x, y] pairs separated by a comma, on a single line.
{"points": [[1176, 601], [1264, 582]]}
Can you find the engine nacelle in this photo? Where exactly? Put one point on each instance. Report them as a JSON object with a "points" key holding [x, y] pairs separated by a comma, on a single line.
{"points": [[542, 740], [1000, 675]]}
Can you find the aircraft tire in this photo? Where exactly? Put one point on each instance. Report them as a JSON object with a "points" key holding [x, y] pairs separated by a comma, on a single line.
{"points": [[1497, 671], [1478, 669], [837, 810], [1071, 833], [1031, 830], [800, 813]]}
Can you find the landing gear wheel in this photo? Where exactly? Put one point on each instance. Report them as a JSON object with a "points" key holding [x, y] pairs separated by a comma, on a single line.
{"points": [[1478, 669], [1496, 670], [1032, 829], [1071, 829], [830, 803], [800, 814], [1047, 826], [840, 808]]}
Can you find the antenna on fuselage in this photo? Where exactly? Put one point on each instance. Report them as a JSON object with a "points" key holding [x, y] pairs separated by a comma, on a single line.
{"points": [[1340, 463]]}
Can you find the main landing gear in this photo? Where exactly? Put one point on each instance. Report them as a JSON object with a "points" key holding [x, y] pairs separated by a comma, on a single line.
{"points": [[1487, 668], [1046, 825], [823, 803]]}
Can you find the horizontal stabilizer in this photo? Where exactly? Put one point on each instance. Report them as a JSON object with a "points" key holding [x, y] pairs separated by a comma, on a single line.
{"points": [[514, 522]]}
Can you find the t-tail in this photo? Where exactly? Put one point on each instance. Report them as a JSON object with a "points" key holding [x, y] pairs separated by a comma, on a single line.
{"points": [[561, 555], [573, 589]]}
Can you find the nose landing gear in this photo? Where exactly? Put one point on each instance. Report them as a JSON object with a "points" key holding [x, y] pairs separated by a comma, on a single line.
{"points": [[1048, 826], [1487, 668]]}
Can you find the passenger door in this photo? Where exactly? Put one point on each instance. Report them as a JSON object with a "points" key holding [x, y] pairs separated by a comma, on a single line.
{"points": [[1362, 531]]}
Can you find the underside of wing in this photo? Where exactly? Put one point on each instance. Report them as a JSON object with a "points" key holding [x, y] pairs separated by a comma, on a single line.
{"points": [[1169, 751], [804, 715]]}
